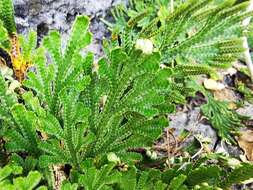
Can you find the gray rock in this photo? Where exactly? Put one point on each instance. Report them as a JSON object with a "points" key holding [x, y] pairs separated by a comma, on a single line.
{"points": [[45, 15], [190, 122], [246, 110]]}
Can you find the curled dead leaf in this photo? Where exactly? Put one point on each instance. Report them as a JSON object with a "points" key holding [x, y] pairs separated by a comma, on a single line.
{"points": [[245, 141]]}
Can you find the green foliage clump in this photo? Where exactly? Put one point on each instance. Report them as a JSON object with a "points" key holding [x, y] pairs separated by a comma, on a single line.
{"points": [[208, 32], [198, 175], [92, 117], [10, 179]]}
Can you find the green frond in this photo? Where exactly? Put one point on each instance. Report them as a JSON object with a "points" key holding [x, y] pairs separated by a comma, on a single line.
{"points": [[183, 70], [28, 45], [70, 132], [79, 37], [25, 138], [29, 182], [177, 182], [9, 181], [238, 175], [123, 81], [205, 174], [51, 126], [28, 164], [225, 121], [16, 143], [45, 161], [7, 100], [54, 150], [67, 70], [8, 170], [128, 180], [43, 81], [52, 42], [69, 186], [4, 38], [94, 179], [33, 103], [195, 31], [7, 16]]}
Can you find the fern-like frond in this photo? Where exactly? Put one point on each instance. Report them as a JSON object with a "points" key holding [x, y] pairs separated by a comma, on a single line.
{"points": [[67, 68], [67, 140], [224, 120], [205, 174], [177, 182], [7, 100], [4, 38], [238, 175], [205, 31], [122, 108], [28, 46], [99, 179], [24, 138], [29, 182], [7, 16]]}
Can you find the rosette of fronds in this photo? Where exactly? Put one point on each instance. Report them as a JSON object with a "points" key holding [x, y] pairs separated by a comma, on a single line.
{"points": [[86, 109], [127, 98]]}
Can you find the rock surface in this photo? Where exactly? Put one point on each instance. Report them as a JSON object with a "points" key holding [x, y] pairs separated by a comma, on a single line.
{"points": [[190, 121], [44, 15]]}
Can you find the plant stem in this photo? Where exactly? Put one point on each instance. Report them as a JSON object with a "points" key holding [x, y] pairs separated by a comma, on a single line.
{"points": [[171, 6], [247, 56]]}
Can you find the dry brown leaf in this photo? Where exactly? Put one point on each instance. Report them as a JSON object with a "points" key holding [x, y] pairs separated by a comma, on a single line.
{"points": [[44, 136], [245, 141], [225, 95], [59, 176]]}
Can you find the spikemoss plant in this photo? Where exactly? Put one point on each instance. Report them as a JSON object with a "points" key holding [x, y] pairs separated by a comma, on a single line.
{"points": [[75, 112]]}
